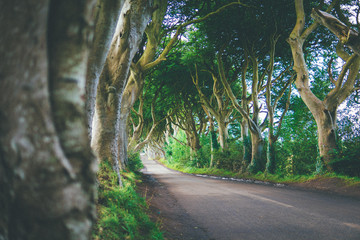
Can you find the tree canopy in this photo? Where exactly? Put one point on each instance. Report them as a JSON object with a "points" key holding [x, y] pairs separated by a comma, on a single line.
{"points": [[248, 86]]}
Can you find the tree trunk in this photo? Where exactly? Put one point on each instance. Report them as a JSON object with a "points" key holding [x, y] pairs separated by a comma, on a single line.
{"points": [[194, 143], [257, 160], [106, 17], [223, 135], [132, 92], [46, 171], [131, 25], [246, 143], [271, 156], [213, 143], [327, 137], [135, 137]]}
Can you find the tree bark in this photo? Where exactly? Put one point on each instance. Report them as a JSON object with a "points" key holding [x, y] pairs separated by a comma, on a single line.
{"points": [[132, 91], [223, 134], [327, 136], [214, 146], [137, 129], [246, 142], [46, 172], [346, 35], [257, 152], [106, 17], [130, 28]]}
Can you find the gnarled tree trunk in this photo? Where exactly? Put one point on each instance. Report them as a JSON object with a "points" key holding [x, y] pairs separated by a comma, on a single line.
{"points": [[323, 111], [130, 28]]}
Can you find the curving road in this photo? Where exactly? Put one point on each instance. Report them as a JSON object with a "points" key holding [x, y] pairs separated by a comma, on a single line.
{"points": [[234, 210]]}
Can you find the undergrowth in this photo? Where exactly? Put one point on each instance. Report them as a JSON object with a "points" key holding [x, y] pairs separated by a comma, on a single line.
{"points": [[121, 212]]}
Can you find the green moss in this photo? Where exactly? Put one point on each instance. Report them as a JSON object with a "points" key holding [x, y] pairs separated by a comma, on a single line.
{"points": [[121, 211]]}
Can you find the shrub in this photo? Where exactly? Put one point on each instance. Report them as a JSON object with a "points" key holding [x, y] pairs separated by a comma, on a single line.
{"points": [[134, 161], [347, 161], [231, 158]]}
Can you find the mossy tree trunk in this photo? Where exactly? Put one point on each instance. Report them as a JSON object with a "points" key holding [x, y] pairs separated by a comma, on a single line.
{"points": [[257, 152], [46, 165], [137, 128]]}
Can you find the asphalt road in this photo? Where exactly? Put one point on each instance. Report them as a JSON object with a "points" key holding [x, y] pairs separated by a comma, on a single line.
{"points": [[242, 211]]}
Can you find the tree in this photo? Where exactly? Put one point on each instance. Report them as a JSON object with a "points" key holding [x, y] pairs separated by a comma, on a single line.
{"points": [[220, 109], [138, 71], [324, 111], [190, 118], [271, 107], [129, 31], [257, 140], [46, 164], [154, 120]]}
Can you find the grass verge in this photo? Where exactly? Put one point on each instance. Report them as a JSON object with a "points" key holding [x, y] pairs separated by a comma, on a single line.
{"points": [[121, 211], [273, 178]]}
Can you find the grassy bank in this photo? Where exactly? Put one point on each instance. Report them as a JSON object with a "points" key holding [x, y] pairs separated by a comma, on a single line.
{"points": [[121, 212], [273, 178]]}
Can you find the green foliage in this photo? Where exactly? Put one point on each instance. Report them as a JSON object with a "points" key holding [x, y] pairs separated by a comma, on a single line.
{"points": [[347, 161], [121, 211], [297, 147], [229, 159], [134, 161], [180, 155], [201, 158], [176, 152]]}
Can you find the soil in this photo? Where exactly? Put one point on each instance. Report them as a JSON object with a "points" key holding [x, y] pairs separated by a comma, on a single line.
{"points": [[167, 212], [331, 185]]}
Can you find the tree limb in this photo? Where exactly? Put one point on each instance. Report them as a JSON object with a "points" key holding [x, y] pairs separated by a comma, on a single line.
{"points": [[346, 35], [180, 28]]}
